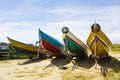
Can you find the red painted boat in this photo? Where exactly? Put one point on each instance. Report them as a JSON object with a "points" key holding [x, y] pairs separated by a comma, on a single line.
{"points": [[50, 44]]}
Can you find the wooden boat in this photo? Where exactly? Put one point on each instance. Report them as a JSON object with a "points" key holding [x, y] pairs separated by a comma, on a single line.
{"points": [[54, 47], [98, 42], [23, 48], [74, 46]]}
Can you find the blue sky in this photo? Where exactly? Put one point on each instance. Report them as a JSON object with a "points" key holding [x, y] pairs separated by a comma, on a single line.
{"points": [[20, 19]]}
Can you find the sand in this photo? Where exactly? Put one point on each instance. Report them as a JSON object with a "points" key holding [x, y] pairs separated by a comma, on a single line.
{"points": [[46, 69]]}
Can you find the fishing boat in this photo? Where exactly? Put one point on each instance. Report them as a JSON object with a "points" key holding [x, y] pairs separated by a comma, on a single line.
{"points": [[74, 46], [98, 42], [22, 48], [52, 45]]}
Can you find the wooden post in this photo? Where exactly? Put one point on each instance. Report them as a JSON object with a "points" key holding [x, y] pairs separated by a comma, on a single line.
{"points": [[38, 52], [96, 51], [96, 47]]}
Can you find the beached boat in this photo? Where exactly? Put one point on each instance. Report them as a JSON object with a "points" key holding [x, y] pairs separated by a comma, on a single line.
{"points": [[74, 46], [22, 48], [52, 45], [98, 42]]}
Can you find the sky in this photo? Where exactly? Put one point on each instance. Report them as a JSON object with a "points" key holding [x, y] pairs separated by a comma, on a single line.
{"points": [[21, 19]]}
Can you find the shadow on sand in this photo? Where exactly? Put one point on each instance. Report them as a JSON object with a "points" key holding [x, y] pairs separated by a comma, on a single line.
{"points": [[114, 64], [85, 63], [31, 61], [104, 64], [107, 63], [58, 61], [81, 62], [62, 61]]}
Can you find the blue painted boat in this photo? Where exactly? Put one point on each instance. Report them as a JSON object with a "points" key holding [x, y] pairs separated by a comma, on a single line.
{"points": [[52, 45]]}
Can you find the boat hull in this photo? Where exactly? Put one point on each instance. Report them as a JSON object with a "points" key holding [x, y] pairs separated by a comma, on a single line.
{"points": [[50, 44], [23, 48], [103, 43], [74, 46]]}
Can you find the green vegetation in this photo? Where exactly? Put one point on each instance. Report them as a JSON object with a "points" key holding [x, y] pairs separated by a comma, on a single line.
{"points": [[19, 76], [116, 48], [3, 44], [116, 45], [4, 61], [9, 73], [74, 75], [1, 79], [113, 75]]}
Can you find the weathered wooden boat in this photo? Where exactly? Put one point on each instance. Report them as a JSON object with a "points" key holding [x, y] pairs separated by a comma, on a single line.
{"points": [[52, 45], [98, 42], [74, 46], [22, 48]]}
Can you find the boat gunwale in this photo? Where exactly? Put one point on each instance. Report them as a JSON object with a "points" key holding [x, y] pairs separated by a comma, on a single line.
{"points": [[21, 42]]}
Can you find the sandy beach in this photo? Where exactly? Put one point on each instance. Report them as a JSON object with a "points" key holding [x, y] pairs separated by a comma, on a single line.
{"points": [[48, 69]]}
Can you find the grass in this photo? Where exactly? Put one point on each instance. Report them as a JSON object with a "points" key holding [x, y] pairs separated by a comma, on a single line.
{"points": [[44, 73], [4, 61], [23, 73], [77, 74], [116, 46], [1, 79], [20, 76], [115, 50], [72, 76], [9, 73], [111, 75], [92, 74], [35, 71]]}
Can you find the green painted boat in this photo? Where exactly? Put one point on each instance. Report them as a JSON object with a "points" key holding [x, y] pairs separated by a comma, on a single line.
{"points": [[74, 46]]}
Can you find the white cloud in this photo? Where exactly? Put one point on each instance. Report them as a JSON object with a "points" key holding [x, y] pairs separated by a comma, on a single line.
{"points": [[21, 31], [13, 24], [26, 36], [78, 19], [81, 18], [108, 17], [79, 28]]}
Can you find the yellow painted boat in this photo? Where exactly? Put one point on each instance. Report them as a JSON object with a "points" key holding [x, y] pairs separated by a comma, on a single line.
{"points": [[98, 42], [23, 48]]}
